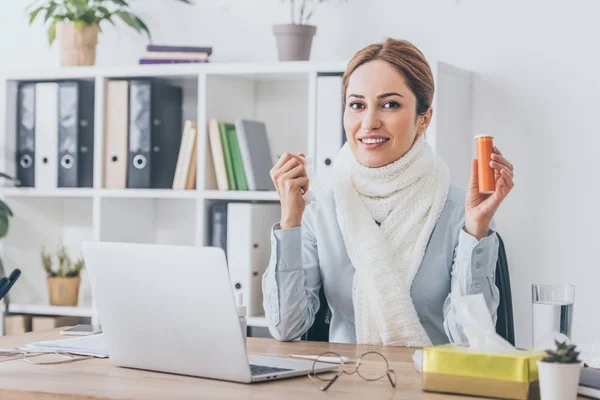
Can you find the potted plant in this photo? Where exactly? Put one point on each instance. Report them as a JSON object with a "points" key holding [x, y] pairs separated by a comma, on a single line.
{"points": [[76, 23], [559, 373], [294, 40], [5, 214], [63, 282]]}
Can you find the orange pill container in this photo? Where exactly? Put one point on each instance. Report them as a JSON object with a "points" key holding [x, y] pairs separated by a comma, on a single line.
{"points": [[487, 180]]}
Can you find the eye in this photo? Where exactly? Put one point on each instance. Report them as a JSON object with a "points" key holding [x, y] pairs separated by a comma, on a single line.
{"points": [[391, 104], [356, 105]]}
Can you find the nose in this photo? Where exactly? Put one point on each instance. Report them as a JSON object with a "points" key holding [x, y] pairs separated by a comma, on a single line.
{"points": [[371, 121]]}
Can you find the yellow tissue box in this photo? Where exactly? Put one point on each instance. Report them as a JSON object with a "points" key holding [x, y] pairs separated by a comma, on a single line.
{"points": [[452, 368]]}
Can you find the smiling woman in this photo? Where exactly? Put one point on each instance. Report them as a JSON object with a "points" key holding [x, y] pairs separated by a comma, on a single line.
{"points": [[391, 242]]}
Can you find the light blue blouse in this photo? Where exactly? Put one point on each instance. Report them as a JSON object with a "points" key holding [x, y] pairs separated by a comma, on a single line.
{"points": [[313, 255]]}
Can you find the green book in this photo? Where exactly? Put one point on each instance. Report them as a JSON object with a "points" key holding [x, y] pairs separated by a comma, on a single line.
{"points": [[223, 128], [236, 158]]}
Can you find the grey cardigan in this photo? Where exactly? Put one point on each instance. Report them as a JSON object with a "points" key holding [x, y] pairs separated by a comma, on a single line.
{"points": [[305, 258]]}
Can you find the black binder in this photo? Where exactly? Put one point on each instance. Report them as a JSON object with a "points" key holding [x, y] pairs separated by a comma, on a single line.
{"points": [[86, 133], [26, 135], [76, 134], [155, 129]]}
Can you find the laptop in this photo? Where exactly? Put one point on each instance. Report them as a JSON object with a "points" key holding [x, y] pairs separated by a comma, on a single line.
{"points": [[171, 309]]}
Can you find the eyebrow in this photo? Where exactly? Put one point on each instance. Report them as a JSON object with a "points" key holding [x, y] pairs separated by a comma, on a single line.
{"points": [[381, 96]]}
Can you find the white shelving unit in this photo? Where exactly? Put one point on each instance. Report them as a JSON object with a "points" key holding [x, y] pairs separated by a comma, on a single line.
{"points": [[51, 310], [283, 95]]}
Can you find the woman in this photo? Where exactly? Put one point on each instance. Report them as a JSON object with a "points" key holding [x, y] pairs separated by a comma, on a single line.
{"points": [[391, 240]]}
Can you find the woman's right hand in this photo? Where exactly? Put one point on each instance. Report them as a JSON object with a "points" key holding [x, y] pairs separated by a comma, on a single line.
{"points": [[291, 181]]}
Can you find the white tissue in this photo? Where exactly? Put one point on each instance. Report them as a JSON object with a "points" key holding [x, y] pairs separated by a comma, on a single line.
{"points": [[309, 196], [472, 314]]}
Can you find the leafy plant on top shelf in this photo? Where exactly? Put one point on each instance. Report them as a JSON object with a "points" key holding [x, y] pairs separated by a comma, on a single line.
{"points": [[66, 267], [86, 12], [77, 22], [564, 354]]}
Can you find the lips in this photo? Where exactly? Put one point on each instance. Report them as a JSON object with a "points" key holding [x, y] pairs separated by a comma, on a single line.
{"points": [[373, 139]]}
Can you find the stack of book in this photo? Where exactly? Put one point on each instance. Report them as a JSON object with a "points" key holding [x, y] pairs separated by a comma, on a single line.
{"points": [[165, 54], [241, 154]]}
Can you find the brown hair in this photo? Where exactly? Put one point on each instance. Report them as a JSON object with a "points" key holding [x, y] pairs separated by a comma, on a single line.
{"points": [[407, 59]]}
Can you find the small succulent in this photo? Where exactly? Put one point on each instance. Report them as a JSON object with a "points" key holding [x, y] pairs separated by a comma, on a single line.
{"points": [[564, 354], [66, 267]]}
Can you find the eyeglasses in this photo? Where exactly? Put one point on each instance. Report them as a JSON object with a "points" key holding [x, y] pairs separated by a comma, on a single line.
{"points": [[371, 366]]}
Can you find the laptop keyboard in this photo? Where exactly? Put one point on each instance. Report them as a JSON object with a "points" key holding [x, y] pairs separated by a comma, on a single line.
{"points": [[263, 369]]}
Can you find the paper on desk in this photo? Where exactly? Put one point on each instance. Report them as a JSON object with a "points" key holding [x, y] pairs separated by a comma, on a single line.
{"points": [[590, 354], [92, 345], [471, 313]]}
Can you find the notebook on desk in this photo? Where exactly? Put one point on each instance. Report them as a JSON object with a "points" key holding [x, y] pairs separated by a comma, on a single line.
{"points": [[92, 345], [589, 383]]}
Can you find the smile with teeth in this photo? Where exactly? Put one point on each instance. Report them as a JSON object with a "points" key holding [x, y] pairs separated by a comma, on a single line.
{"points": [[374, 140]]}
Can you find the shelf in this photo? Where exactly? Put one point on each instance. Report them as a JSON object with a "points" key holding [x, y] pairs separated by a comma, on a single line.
{"points": [[243, 195], [42, 309], [257, 322], [217, 68], [58, 192], [108, 193], [149, 193]]}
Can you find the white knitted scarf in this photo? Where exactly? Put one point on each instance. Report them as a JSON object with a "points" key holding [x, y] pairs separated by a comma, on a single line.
{"points": [[406, 198]]}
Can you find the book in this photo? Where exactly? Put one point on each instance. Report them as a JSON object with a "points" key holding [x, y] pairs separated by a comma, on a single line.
{"points": [[223, 128], [256, 153], [589, 382], [236, 159], [146, 61], [190, 180], [185, 156], [218, 157], [185, 49], [165, 55], [218, 235]]}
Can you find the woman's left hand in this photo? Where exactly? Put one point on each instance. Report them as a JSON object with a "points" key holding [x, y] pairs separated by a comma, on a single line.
{"points": [[480, 208]]}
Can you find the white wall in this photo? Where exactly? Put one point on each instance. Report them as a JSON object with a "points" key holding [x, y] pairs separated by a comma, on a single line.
{"points": [[537, 64]]}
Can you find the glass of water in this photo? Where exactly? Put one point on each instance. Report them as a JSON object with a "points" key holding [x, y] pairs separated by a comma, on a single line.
{"points": [[552, 314]]}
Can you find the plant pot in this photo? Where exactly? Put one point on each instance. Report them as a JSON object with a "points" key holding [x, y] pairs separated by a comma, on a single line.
{"points": [[77, 45], [294, 41], [63, 291], [558, 381]]}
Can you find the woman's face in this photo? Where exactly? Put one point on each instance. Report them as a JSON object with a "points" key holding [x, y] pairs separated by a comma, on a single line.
{"points": [[380, 116]]}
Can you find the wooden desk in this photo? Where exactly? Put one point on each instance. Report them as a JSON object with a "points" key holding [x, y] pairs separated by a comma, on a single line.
{"points": [[99, 379]]}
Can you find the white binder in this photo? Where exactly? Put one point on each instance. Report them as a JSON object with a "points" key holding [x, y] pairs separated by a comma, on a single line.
{"points": [[46, 135], [249, 249], [330, 127]]}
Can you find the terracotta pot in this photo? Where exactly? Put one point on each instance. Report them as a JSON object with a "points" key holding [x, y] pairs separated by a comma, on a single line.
{"points": [[77, 46], [63, 291], [294, 41]]}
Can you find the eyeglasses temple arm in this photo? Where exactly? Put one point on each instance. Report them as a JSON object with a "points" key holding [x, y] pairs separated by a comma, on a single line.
{"points": [[331, 382], [390, 378]]}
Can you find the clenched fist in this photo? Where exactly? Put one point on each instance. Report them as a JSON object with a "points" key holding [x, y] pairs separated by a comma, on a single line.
{"points": [[291, 181]]}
